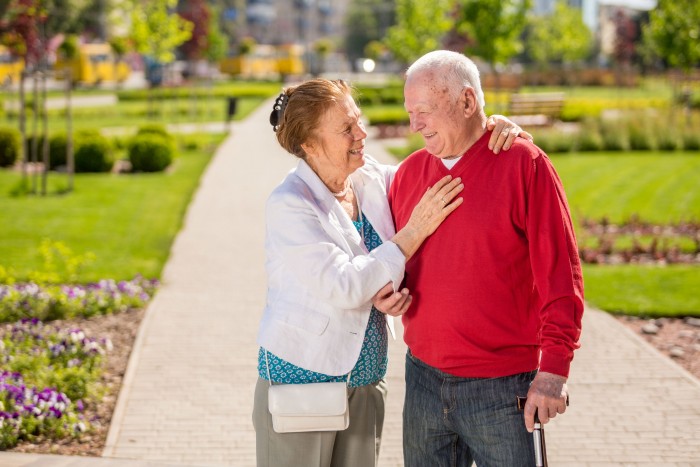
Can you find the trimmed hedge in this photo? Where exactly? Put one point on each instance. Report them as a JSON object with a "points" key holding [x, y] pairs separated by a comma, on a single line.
{"points": [[150, 152], [93, 152], [9, 146]]}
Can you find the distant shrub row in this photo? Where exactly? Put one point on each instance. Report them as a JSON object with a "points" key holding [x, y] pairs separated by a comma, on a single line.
{"points": [[263, 90], [151, 150], [631, 134]]}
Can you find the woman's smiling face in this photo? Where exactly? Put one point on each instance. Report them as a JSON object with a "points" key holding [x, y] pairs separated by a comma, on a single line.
{"points": [[338, 144]]}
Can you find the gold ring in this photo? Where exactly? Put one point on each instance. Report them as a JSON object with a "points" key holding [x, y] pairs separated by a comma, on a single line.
{"points": [[443, 201]]}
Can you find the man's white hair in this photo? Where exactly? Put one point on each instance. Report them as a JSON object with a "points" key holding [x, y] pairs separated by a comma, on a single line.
{"points": [[456, 71]]}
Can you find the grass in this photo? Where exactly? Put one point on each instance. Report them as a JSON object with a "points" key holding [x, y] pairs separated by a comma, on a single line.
{"points": [[659, 187], [127, 221], [644, 290]]}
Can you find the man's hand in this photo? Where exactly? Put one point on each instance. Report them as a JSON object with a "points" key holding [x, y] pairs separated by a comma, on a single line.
{"points": [[390, 302], [547, 395]]}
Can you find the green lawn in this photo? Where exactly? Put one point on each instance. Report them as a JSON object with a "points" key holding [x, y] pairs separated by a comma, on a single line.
{"points": [[127, 221], [644, 290], [659, 187]]}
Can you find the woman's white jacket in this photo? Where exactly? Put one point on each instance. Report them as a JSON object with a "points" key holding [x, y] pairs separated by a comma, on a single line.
{"points": [[321, 278]]}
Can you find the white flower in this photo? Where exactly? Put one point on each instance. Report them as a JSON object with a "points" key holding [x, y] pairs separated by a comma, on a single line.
{"points": [[77, 336]]}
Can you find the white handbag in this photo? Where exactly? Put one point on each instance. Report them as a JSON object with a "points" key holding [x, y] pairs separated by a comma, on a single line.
{"points": [[308, 407]]}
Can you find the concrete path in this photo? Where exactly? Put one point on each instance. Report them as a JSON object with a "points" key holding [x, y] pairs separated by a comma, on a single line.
{"points": [[187, 395]]}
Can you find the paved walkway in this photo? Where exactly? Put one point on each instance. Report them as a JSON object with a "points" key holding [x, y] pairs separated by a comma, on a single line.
{"points": [[187, 395]]}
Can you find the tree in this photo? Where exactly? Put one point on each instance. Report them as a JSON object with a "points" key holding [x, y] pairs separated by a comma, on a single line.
{"points": [[156, 30], [420, 27], [22, 35], [673, 32], [560, 37], [197, 12], [494, 28], [366, 21], [217, 43], [322, 48], [69, 50]]}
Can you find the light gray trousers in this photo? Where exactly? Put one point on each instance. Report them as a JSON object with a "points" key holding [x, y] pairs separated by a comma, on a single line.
{"points": [[356, 446]]}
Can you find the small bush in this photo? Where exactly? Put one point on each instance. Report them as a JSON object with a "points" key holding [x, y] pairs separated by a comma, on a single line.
{"points": [[93, 152], [691, 141], [615, 137], [29, 143], [150, 153], [640, 137], [58, 148], [9, 146], [589, 138], [668, 141], [552, 141], [153, 129]]}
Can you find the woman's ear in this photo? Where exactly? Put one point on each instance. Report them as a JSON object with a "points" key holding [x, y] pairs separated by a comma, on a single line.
{"points": [[308, 148]]}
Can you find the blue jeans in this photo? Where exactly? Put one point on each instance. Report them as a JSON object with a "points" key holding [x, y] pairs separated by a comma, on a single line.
{"points": [[450, 421]]}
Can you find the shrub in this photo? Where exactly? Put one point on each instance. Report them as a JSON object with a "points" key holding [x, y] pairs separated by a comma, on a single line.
{"points": [[153, 129], [150, 153], [668, 140], [58, 147], [9, 146], [691, 140], [386, 115], [640, 137], [552, 141], [614, 136], [93, 152], [589, 138]]}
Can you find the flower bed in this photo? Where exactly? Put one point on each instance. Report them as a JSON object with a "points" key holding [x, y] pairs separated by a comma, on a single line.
{"points": [[55, 379], [49, 374], [50, 302]]}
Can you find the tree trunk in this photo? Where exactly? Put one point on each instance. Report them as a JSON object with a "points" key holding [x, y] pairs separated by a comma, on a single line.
{"points": [[23, 128], [35, 129], [45, 134], [70, 159]]}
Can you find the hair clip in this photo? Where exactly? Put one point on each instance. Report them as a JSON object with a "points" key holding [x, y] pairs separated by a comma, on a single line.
{"points": [[278, 111]]}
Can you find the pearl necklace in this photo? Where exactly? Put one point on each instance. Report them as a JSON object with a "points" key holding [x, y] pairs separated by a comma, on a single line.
{"points": [[342, 192]]}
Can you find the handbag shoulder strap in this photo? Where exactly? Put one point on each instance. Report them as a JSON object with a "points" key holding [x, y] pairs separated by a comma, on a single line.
{"points": [[269, 378]]}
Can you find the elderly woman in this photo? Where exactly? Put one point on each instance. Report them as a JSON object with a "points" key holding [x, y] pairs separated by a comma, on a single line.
{"points": [[331, 247]]}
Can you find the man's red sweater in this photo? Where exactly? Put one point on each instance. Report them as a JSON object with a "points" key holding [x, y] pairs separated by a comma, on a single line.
{"points": [[500, 280]]}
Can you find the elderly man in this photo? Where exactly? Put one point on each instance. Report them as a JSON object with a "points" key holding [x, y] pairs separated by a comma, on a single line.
{"points": [[497, 290]]}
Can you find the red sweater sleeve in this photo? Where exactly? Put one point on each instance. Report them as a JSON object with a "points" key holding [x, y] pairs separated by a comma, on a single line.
{"points": [[555, 266]]}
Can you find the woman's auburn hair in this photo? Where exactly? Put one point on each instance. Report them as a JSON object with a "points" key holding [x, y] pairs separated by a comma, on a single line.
{"points": [[307, 103]]}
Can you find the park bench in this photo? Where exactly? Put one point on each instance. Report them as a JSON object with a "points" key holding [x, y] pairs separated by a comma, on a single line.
{"points": [[537, 109]]}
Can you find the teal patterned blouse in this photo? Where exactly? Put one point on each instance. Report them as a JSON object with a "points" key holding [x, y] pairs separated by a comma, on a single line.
{"points": [[370, 367]]}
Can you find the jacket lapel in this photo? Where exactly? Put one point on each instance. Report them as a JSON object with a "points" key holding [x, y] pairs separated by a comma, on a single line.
{"points": [[336, 216]]}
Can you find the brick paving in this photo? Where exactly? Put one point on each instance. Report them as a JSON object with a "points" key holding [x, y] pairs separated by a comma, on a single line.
{"points": [[187, 396]]}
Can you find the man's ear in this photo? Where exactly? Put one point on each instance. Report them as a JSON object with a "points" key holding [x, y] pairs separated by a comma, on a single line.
{"points": [[469, 101]]}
